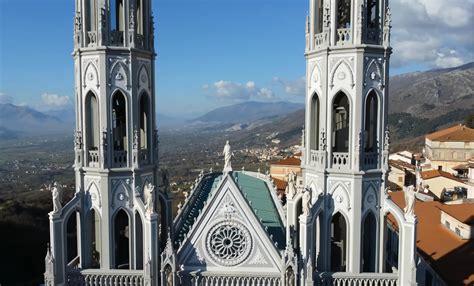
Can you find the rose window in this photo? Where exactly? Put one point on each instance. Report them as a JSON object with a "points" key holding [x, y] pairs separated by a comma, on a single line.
{"points": [[229, 243]]}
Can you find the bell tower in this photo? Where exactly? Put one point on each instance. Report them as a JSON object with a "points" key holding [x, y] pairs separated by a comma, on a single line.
{"points": [[119, 212], [345, 155], [339, 219]]}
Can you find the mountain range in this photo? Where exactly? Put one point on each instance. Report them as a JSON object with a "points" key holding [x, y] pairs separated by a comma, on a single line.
{"points": [[419, 102]]}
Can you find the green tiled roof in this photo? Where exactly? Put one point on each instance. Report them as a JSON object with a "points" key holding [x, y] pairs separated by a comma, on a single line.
{"points": [[257, 193], [253, 189]]}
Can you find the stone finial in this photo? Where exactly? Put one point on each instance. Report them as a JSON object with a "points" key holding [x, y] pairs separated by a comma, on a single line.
{"points": [[227, 158]]}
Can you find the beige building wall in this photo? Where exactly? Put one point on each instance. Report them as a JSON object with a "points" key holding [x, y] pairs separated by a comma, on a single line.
{"points": [[281, 171], [397, 177], [448, 154], [439, 183], [462, 230]]}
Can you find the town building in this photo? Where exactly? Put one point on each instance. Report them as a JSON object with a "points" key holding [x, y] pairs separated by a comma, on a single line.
{"points": [[449, 147], [443, 185], [401, 174], [280, 170]]}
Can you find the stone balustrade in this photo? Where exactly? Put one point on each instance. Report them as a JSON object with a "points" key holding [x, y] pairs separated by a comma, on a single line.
{"points": [[319, 39], [143, 156], [372, 36], [371, 160], [340, 160], [117, 38], [343, 37], [234, 280], [92, 277], [353, 279], [91, 39], [93, 158], [317, 158], [120, 159]]}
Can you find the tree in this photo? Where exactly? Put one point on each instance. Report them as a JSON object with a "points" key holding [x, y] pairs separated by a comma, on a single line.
{"points": [[469, 121]]}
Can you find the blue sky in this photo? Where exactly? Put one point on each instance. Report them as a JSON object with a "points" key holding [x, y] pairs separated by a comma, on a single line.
{"points": [[215, 52]]}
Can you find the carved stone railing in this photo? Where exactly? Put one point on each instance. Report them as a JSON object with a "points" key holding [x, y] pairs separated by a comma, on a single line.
{"points": [[143, 156], [74, 264], [371, 160], [343, 36], [93, 158], [317, 158], [140, 41], [120, 159], [352, 279], [319, 39], [372, 36], [235, 280], [91, 39], [106, 277], [116, 38], [340, 160]]}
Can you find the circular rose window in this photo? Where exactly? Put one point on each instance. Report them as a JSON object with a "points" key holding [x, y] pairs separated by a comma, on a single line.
{"points": [[229, 243]]}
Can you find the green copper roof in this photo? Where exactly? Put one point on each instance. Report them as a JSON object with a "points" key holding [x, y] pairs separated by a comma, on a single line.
{"points": [[258, 195]]}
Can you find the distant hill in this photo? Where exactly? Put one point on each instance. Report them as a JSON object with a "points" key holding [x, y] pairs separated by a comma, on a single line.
{"points": [[433, 93], [16, 120], [248, 111]]}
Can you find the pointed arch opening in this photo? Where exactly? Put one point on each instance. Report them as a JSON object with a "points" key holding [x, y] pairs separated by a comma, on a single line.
{"points": [[343, 19], [391, 243], [340, 123], [72, 229], [320, 11], [91, 15], [145, 128], [92, 128], [369, 243], [117, 21], [140, 16], [373, 14], [371, 119], [94, 238], [138, 242], [119, 129], [338, 243], [315, 118], [317, 257], [122, 240], [297, 229]]}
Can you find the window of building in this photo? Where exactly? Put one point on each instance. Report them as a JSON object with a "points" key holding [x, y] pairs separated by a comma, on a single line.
{"points": [[447, 224], [458, 231]]}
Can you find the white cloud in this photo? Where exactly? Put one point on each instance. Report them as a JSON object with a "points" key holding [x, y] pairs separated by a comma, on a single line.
{"points": [[292, 87], [54, 102], [238, 91], [435, 33], [5, 98]]}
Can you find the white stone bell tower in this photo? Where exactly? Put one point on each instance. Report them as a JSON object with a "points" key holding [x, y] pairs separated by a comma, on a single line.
{"points": [[340, 217], [120, 213]]}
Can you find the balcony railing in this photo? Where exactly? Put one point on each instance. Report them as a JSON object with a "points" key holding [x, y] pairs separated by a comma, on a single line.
{"points": [[352, 279], [93, 158], [319, 39], [372, 36], [317, 158], [343, 36], [116, 38], [140, 41], [340, 160], [91, 39], [144, 156], [106, 277], [236, 280], [371, 160], [120, 159]]}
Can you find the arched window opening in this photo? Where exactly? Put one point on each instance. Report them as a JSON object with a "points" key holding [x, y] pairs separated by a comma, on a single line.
{"points": [[314, 140], [92, 129], [343, 14], [121, 241], [391, 248], [299, 211], [119, 129], [117, 22], [369, 243], [340, 133], [373, 14], [338, 243], [144, 122], [320, 9], [94, 239], [138, 242], [317, 243], [140, 17], [91, 15], [371, 113], [71, 237]]}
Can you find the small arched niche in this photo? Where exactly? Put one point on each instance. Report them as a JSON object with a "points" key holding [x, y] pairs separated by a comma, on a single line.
{"points": [[121, 240], [338, 243]]}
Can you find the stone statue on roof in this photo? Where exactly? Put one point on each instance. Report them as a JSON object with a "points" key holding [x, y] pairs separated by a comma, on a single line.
{"points": [[56, 193], [410, 200], [307, 201], [227, 157], [291, 188], [148, 192]]}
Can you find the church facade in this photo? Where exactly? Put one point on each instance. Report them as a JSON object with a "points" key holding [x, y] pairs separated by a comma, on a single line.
{"points": [[232, 229]]}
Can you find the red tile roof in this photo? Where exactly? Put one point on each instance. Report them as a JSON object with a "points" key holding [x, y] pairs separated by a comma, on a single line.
{"points": [[462, 212], [450, 256], [426, 175], [280, 184], [291, 161], [458, 133], [402, 165]]}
